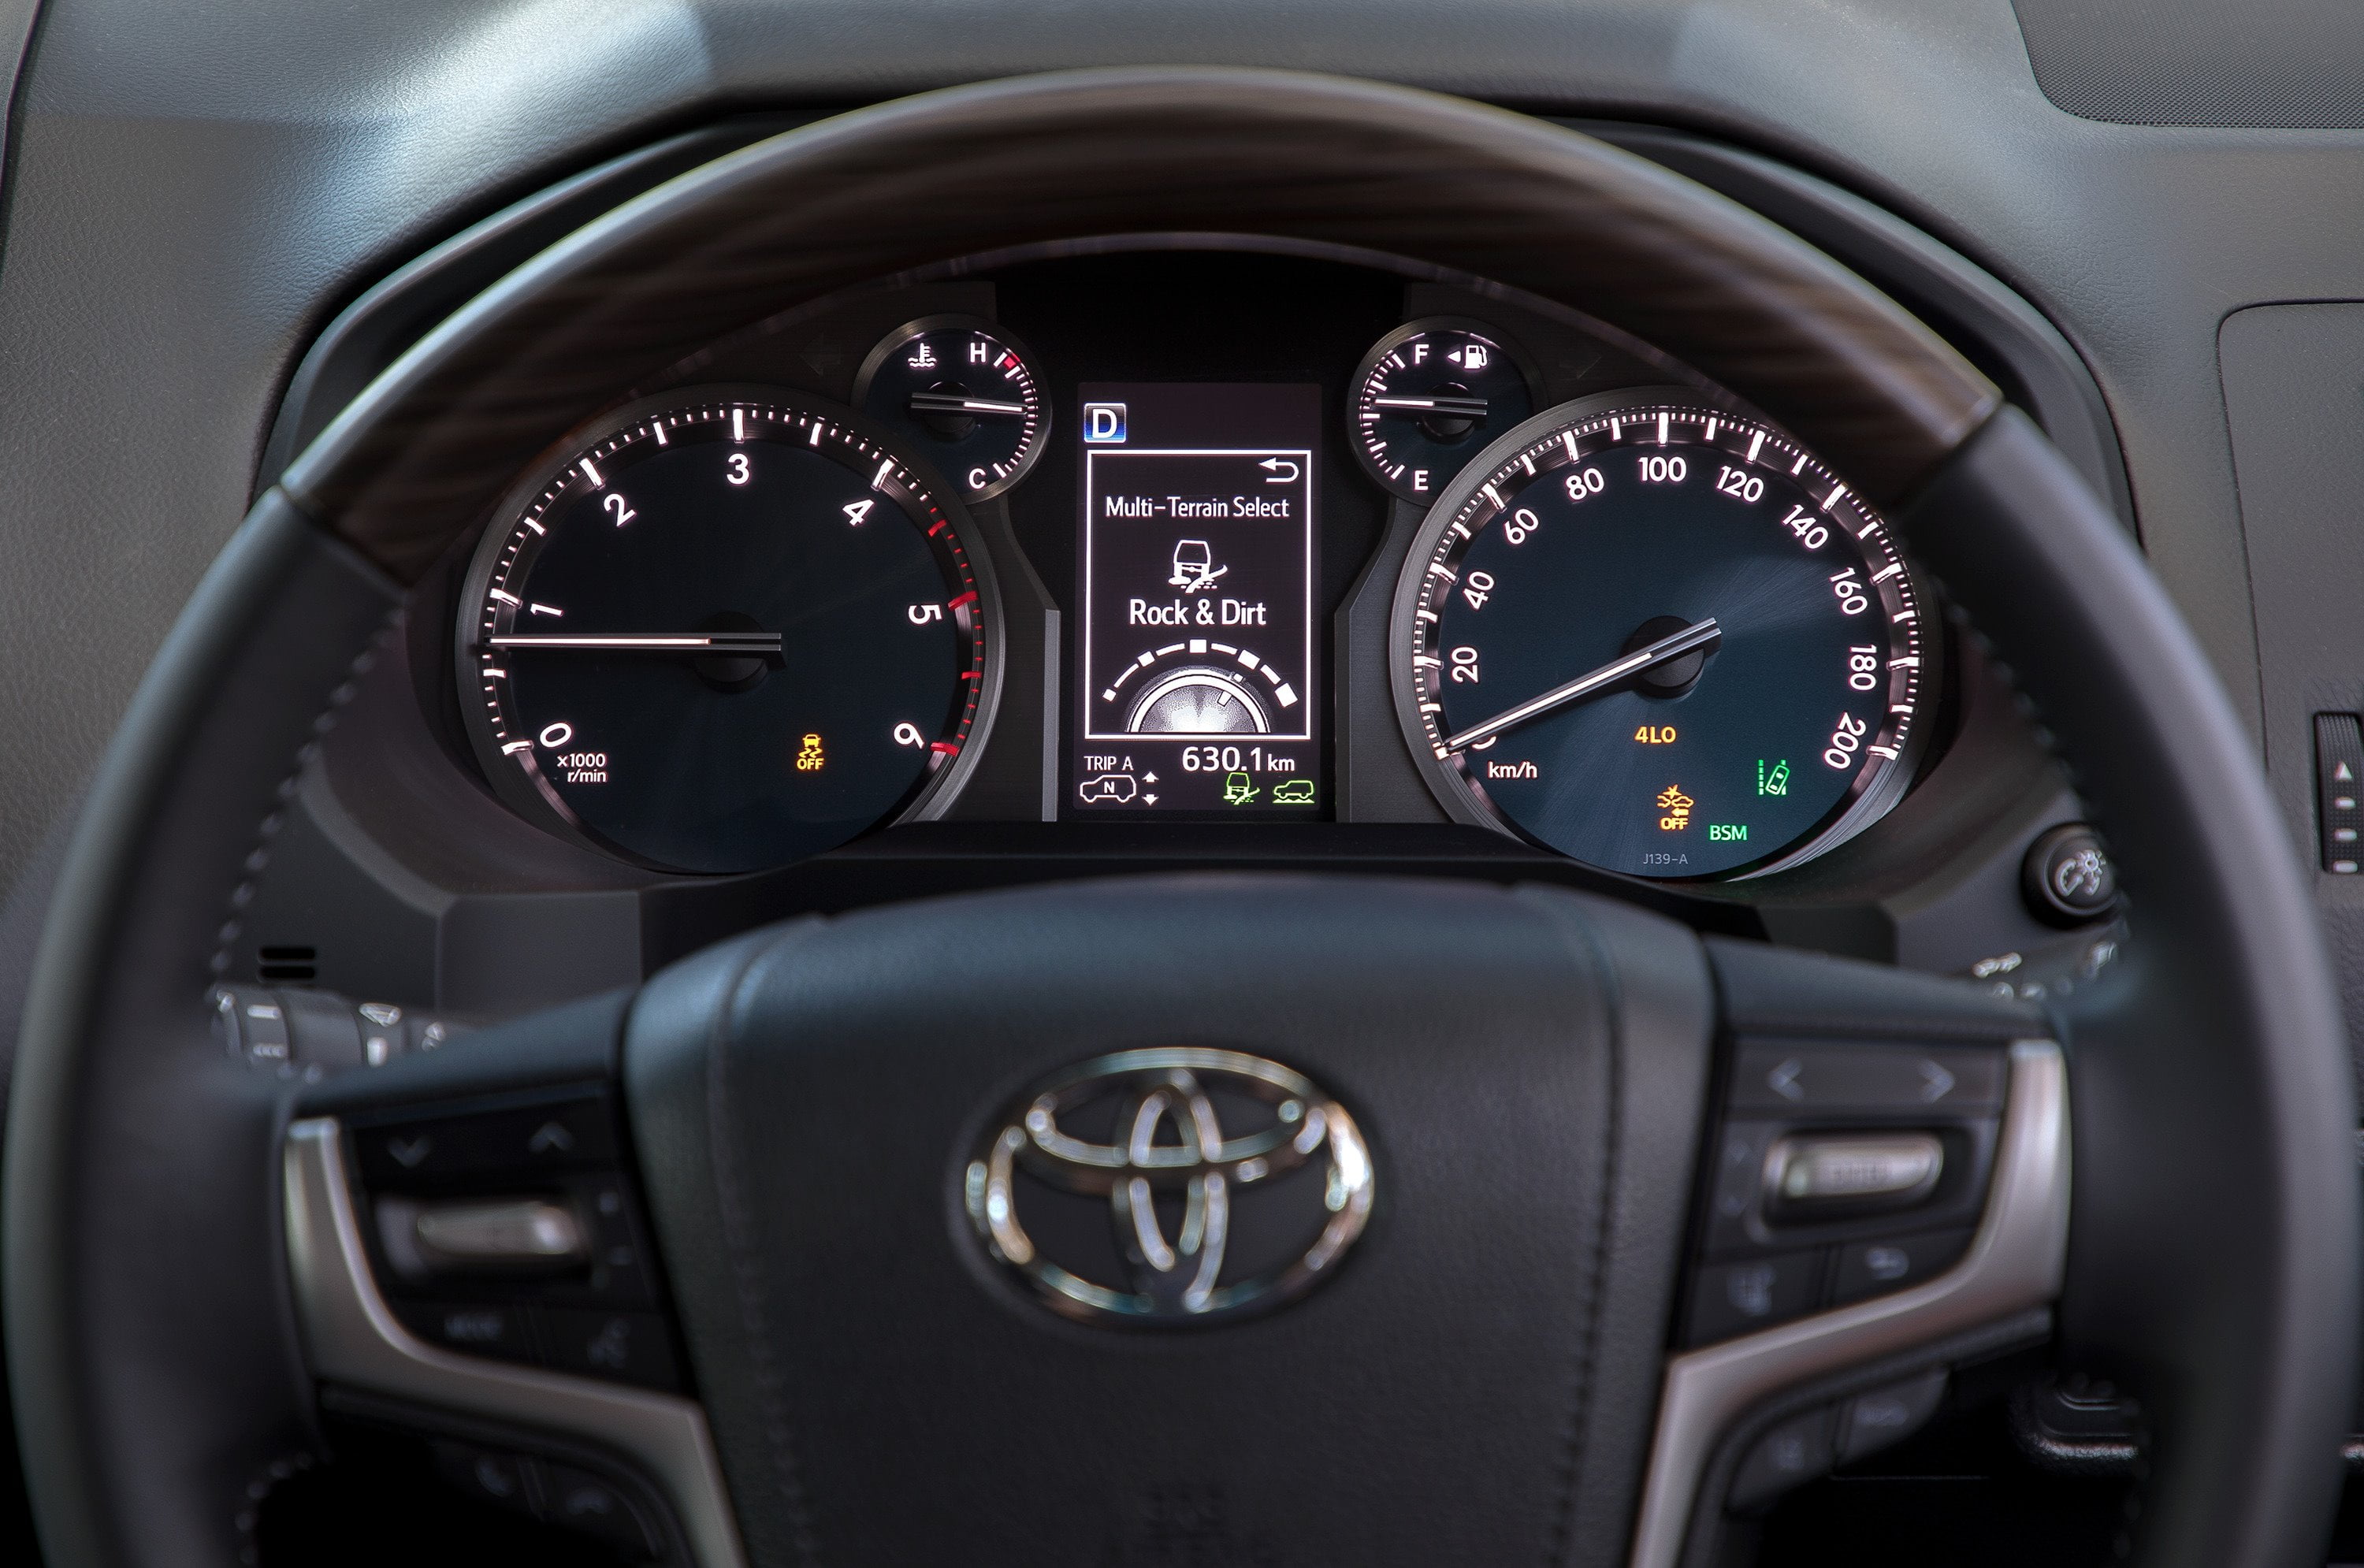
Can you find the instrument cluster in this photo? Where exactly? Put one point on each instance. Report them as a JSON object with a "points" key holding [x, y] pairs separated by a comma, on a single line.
{"points": [[759, 611]]}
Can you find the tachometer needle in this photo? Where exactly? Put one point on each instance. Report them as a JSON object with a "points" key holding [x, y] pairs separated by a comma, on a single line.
{"points": [[953, 403], [1455, 407], [1673, 645], [758, 643]]}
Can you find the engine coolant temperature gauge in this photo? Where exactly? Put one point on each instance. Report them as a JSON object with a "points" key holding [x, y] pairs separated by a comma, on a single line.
{"points": [[1429, 396], [965, 393]]}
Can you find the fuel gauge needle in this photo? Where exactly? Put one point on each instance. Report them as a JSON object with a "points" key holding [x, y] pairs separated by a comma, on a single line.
{"points": [[1457, 407], [1673, 645]]}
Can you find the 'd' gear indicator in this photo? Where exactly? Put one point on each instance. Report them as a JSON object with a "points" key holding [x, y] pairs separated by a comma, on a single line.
{"points": [[1196, 651]]}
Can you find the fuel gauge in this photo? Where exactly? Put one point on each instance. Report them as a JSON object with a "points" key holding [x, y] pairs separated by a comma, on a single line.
{"points": [[964, 392], [1429, 396]]}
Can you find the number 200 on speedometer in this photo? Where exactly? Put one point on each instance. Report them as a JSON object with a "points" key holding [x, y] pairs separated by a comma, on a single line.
{"points": [[1661, 639]]}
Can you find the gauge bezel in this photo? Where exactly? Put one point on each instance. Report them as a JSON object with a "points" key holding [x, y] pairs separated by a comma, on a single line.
{"points": [[1510, 345], [1028, 455], [1871, 795], [527, 793]]}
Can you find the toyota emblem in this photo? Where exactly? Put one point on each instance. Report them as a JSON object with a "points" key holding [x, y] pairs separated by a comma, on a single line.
{"points": [[1171, 1186]]}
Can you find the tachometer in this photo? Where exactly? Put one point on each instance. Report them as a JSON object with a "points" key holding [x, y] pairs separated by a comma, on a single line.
{"points": [[729, 628], [1661, 639]]}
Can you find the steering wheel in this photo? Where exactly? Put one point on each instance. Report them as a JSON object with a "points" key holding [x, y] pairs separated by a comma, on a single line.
{"points": [[1512, 1091]]}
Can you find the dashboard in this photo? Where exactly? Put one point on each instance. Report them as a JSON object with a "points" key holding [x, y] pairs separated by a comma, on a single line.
{"points": [[1160, 550], [731, 624]]}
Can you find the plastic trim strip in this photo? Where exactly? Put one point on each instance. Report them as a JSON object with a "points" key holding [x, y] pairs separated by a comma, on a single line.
{"points": [[2015, 1262], [353, 1340]]}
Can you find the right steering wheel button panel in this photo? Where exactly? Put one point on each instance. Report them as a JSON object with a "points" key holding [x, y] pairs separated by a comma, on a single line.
{"points": [[1843, 1171]]}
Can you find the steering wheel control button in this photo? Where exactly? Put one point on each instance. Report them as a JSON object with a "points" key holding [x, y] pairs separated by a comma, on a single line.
{"points": [[622, 1347], [501, 1235], [1757, 1293], [504, 1480], [2067, 878], [1885, 1417], [2340, 790], [571, 1132], [479, 1328], [1810, 1176], [578, 1500], [1792, 1454], [1826, 1079], [1874, 1268], [1192, 1135]]}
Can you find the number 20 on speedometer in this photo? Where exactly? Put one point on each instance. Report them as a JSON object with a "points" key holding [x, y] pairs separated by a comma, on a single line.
{"points": [[1661, 638]]}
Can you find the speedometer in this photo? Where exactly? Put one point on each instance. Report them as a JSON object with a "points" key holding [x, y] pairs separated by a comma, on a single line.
{"points": [[1661, 639]]}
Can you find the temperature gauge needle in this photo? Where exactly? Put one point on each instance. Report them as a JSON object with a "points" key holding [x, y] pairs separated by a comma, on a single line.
{"points": [[1672, 646], [953, 403], [758, 644]]}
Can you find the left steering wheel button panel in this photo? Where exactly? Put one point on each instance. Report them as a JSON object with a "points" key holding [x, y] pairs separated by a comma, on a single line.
{"points": [[507, 1227]]}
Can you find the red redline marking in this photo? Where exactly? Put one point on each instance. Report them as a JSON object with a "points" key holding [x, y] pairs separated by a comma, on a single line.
{"points": [[946, 746], [970, 675], [934, 531], [967, 599]]}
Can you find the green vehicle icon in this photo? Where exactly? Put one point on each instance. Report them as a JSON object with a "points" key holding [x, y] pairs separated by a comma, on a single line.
{"points": [[1238, 790], [1295, 791]]}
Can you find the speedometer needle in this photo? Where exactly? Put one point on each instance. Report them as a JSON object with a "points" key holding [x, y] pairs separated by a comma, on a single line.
{"points": [[1673, 645]]}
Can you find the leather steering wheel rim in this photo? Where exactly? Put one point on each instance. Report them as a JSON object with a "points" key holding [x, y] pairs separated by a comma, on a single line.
{"points": [[2212, 1256]]}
